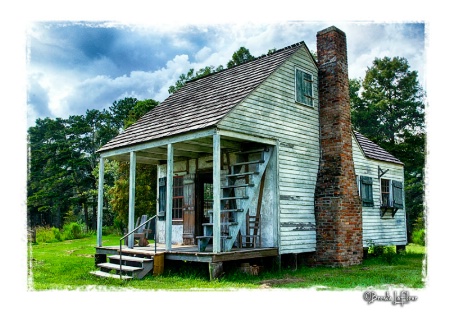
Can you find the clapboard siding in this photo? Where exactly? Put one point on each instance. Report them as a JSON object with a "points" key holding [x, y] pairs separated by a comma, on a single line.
{"points": [[377, 230], [271, 111]]}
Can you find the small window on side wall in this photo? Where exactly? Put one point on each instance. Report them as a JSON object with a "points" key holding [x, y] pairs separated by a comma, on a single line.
{"points": [[391, 196], [366, 191], [303, 87]]}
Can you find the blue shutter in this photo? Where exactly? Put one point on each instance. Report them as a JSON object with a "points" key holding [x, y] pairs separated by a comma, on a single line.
{"points": [[397, 194], [307, 89], [303, 87], [162, 195], [298, 85], [366, 191]]}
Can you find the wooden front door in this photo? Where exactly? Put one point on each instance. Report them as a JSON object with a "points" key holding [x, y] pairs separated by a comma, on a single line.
{"points": [[189, 209]]}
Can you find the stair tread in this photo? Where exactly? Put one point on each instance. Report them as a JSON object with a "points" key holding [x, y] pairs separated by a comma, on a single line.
{"points": [[259, 161], [241, 174], [258, 150], [106, 274], [113, 266], [222, 223], [228, 210], [234, 197], [237, 185], [130, 258], [211, 236]]}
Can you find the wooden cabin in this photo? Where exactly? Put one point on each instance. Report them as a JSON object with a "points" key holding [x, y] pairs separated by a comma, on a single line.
{"points": [[261, 166]]}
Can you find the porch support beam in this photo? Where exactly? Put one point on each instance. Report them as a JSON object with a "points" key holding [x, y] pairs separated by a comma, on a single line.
{"points": [[169, 196], [247, 137], [216, 193], [158, 143], [101, 176], [131, 198]]}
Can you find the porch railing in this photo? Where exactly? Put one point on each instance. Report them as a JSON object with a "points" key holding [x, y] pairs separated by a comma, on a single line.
{"points": [[132, 232]]}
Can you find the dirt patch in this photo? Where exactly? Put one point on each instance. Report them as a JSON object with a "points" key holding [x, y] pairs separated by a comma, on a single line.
{"points": [[281, 281]]}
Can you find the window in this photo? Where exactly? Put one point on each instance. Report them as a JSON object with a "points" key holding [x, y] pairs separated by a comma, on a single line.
{"points": [[366, 191], [391, 194], [303, 87], [385, 194], [177, 208], [178, 196]]}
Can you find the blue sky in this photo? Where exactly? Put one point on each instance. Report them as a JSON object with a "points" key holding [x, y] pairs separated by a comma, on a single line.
{"points": [[74, 66]]}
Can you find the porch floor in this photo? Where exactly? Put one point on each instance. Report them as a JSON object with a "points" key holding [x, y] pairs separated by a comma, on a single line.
{"points": [[191, 253]]}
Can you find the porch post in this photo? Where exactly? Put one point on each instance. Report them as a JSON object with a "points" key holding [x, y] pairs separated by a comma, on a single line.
{"points": [[216, 192], [131, 198], [169, 196], [101, 175]]}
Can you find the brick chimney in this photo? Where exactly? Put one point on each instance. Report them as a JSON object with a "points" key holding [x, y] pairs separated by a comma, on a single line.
{"points": [[337, 204]]}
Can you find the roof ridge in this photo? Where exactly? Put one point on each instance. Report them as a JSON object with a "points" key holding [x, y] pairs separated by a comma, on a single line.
{"points": [[298, 44]]}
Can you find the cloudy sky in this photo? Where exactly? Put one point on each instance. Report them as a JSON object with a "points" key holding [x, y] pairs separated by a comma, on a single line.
{"points": [[75, 66]]}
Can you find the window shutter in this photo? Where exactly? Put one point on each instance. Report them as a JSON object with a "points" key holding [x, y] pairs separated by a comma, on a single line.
{"points": [[397, 194], [298, 86], [307, 89], [162, 194], [366, 191]]}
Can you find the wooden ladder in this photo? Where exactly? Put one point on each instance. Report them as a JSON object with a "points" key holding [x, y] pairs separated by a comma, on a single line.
{"points": [[243, 182]]}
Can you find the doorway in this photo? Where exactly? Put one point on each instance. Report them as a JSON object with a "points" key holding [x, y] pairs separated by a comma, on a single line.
{"points": [[204, 202]]}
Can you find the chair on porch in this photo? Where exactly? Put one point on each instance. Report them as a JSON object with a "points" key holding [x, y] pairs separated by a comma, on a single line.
{"points": [[141, 233], [252, 236]]}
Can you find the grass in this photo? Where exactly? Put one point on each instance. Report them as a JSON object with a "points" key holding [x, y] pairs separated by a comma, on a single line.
{"points": [[66, 266]]}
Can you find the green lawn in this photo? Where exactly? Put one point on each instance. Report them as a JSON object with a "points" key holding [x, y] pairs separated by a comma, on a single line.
{"points": [[66, 265]]}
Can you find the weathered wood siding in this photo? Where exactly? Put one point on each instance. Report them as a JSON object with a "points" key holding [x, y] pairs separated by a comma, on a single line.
{"points": [[271, 111], [385, 230]]}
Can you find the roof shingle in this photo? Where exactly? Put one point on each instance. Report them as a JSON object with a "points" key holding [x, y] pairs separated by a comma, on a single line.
{"points": [[373, 151]]}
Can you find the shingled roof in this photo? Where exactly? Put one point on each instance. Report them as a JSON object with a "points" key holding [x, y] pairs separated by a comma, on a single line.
{"points": [[203, 102], [373, 151]]}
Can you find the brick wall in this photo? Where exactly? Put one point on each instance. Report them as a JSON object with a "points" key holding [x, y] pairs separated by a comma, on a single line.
{"points": [[337, 204]]}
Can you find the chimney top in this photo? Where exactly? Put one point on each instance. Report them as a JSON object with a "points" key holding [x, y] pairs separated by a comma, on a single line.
{"points": [[329, 29]]}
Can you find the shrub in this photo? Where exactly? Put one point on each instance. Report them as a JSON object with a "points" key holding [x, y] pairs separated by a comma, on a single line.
{"points": [[47, 235], [108, 230], [72, 231], [418, 237], [56, 233], [389, 255]]}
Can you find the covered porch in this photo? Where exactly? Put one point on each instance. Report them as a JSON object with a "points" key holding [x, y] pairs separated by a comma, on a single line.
{"points": [[213, 146]]}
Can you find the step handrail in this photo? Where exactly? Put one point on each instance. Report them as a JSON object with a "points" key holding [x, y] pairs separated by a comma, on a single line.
{"points": [[128, 234]]}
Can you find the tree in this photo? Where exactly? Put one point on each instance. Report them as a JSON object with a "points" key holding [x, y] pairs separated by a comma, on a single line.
{"points": [[50, 189], [392, 98], [120, 110], [190, 75], [139, 110], [145, 188], [388, 107], [241, 56], [88, 133]]}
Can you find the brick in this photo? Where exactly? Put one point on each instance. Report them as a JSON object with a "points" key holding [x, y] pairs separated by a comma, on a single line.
{"points": [[337, 204]]}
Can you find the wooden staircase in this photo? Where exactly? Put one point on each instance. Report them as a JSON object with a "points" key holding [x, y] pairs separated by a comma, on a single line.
{"points": [[242, 188], [133, 266]]}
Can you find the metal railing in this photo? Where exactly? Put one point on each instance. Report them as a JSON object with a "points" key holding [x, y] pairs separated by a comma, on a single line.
{"points": [[132, 232]]}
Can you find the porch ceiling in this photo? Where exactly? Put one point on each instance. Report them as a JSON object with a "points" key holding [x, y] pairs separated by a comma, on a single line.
{"points": [[189, 149]]}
